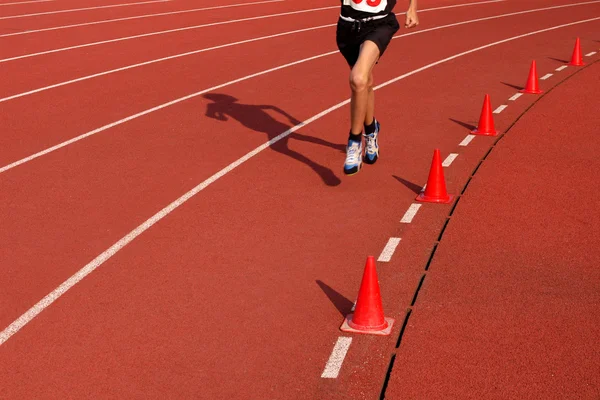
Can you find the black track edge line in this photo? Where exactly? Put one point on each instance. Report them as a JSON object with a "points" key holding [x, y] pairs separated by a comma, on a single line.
{"points": [[500, 137], [443, 229], [455, 204], [414, 300], [464, 189], [578, 70], [431, 256], [401, 334], [387, 377]]}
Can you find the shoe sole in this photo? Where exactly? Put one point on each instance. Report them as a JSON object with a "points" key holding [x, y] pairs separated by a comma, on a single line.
{"points": [[352, 172]]}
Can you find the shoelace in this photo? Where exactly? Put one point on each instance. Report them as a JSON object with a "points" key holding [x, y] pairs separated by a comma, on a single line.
{"points": [[370, 139], [352, 155]]}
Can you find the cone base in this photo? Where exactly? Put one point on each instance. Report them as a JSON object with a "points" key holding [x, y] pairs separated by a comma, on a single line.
{"points": [[381, 332], [581, 64], [531, 91], [431, 199], [483, 133]]}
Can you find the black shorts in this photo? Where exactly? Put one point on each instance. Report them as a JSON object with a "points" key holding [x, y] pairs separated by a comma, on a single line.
{"points": [[351, 35]]}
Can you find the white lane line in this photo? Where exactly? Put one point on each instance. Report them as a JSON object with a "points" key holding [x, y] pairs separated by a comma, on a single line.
{"points": [[448, 161], [500, 109], [561, 68], [389, 249], [546, 77], [24, 2], [170, 103], [36, 309], [106, 21], [233, 21], [214, 24], [467, 140], [590, 54], [253, 40], [85, 135], [132, 66], [410, 214], [83, 9], [200, 9], [515, 96], [336, 359]]}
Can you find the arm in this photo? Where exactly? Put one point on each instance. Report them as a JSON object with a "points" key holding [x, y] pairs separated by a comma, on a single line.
{"points": [[292, 120], [412, 19], [212, 112]]}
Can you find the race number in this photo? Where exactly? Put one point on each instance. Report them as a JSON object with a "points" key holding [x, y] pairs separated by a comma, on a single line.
{"points": [[370, 6]]}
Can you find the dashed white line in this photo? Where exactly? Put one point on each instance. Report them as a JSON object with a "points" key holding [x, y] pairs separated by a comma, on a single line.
{"points": [[389, 249], [410, 214], [448, 161], [562, 68], [515, 96], [50, 298], [25, 2], [500, 109], [83, 9], [336, 359], [546, 77], [590, 54], [467, 140]]}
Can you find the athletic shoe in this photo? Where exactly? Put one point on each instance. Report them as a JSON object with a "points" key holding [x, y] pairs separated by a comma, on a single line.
{"points": [[353, 157], [372, 146]]}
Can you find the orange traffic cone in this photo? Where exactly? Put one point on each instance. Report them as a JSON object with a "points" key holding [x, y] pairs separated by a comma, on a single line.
{"points": [[435, 190], [532, 86], [368, 314], [486, 120], [577, 58]]}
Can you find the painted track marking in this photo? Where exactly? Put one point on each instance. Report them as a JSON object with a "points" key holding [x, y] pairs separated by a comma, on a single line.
{"points": [[124, 38], [336, 359], [36, 309], [389, 249], [252, 40], [186, 28], [561, 68], [410, 214], [467, 140], [125, 68], [106, 21], [515, 96], [164, 105], [24, 2], [546, 77], [500, 109], [449, 160], [590, 54], [84, 9]]}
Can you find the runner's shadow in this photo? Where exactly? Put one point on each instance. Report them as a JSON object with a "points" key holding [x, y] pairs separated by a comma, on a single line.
{"points": [[257, 118], [343, 305], [463, 124], [412, 186]]}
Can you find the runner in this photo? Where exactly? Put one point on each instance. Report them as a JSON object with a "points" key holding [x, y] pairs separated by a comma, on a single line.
{"points": [[364, 30]]}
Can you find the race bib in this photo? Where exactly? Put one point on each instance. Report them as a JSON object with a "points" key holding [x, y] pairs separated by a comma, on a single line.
{"points": [[370, 6]]}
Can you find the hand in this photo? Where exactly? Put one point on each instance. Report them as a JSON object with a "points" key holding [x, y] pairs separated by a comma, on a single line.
{"points": [[412, 19]]}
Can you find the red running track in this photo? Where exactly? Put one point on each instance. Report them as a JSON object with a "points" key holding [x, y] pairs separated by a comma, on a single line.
{"points": [[231, 295], [510, 306]]}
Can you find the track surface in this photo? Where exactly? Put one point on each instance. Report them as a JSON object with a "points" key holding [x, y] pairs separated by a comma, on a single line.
{"points": [[240, 291], [510, 304]]}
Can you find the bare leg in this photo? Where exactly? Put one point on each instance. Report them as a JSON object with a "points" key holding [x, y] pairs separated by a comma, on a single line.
{"points": [[361, 82]]}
